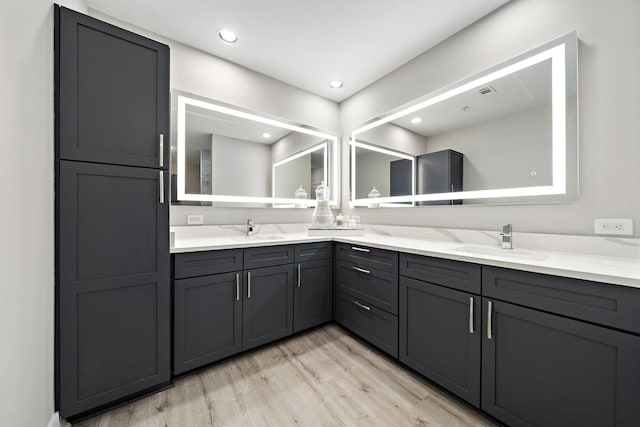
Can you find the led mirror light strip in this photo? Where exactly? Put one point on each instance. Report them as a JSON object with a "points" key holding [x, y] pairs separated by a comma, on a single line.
{"points": [[559, 144], [183, 101]]}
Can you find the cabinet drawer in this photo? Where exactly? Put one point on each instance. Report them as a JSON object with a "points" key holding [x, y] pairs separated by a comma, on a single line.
{"points": [[379, 288], [610, 305], [204, 263], [313, 251], [460, 275], [369, 257], [268, 256], [374, 325]]}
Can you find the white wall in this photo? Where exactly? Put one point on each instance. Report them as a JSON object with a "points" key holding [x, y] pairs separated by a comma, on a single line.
{"points": [[26, 185], [609, 129]]}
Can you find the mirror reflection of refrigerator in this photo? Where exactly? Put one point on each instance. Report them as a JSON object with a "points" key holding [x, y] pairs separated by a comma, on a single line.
{"points": [[439, 172]]}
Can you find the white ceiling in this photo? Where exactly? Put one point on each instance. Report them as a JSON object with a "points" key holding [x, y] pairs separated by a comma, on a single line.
{"points": [[307, 43]]}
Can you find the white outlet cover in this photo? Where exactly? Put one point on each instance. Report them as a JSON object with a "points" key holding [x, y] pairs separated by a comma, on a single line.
{"points": [[613, 227], [195, 219]]}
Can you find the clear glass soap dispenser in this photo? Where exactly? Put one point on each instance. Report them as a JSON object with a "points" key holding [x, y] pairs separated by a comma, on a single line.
{"points": [[322, 216]]}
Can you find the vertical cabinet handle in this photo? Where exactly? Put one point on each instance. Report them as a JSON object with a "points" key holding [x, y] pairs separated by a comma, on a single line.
{"points": [[298, 275], [161, 150], [161, 187], [237, 286], [489, 310], [471, 315], [248, 284]]}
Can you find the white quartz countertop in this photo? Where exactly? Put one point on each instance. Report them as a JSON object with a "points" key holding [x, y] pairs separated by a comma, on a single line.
{"points": [[608, 260]]}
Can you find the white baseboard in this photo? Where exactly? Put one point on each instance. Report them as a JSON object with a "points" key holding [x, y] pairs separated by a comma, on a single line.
{"points": [[56, 421]]}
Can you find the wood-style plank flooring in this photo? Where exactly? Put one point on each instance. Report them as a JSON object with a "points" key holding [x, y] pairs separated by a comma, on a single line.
{"points": [[322, 378]]}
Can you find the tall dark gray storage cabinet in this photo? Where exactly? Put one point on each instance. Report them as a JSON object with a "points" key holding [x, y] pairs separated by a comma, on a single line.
{"points": [[112, 214]]}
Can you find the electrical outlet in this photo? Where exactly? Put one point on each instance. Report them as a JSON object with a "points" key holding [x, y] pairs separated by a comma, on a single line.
{"points": [[619, 227], [195, 219]]}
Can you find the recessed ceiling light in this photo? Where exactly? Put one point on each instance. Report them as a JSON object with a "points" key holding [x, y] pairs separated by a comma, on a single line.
{"points": [[266, 135], [416, 120], [227, 35], [336, 84]]}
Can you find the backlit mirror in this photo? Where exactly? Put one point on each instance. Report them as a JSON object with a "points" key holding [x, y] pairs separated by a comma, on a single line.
{"points": [[227, 156], [505, 135]]}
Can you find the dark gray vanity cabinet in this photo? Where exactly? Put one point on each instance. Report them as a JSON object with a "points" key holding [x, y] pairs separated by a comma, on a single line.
{"points": [[113, 299], [313, 291], [440, 330], [112, 94], [439, 172], [541, 367], [367, 294], [222, 306], [207, 308]]}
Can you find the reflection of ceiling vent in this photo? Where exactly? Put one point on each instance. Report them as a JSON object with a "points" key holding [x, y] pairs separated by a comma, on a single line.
{"points": [[487, 90]]}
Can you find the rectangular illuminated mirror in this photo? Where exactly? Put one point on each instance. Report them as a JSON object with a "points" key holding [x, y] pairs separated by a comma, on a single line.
{"points": [[505, 135], [227, 156]]}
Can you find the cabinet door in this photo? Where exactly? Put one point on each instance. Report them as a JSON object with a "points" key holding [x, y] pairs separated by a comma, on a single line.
{"points": [[112, 94], [207, 320], [440, 336], [313, 294], [541, 369], [267, 312], [112, 284]]}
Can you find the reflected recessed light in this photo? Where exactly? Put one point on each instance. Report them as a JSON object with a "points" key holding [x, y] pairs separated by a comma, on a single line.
{"points": [[266, 135], [227, 35], [416, 120], [336, 84]]}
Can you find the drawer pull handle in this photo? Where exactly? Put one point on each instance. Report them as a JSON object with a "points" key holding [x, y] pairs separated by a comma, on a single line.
{"points": [[489, 310], [161, 150], [298, 275], [362, 306], [355, 248], [237, 286], [471, 315], [248, 284], [361, 270]]}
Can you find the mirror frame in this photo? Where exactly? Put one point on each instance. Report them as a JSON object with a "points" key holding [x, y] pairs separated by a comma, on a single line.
{"points": [[561, 61], [183, 99]]}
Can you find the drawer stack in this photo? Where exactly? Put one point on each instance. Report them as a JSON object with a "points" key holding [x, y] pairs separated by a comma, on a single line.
{"points": [[367, 294]]}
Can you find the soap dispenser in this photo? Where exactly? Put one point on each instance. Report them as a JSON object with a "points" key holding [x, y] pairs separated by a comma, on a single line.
{"points": [[322, 216]]}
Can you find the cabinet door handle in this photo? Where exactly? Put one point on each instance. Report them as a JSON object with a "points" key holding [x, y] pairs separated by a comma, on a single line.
{"points": [[248, 284], [362, 306], [355, 248], [489, 310], [361, 270], [161, 150], [298, 275], [237, 286], [161, 187], [471, 315]]}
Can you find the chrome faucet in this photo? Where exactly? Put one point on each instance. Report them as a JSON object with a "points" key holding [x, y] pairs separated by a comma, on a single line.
{"points": [[250, 227], [507, 238]]}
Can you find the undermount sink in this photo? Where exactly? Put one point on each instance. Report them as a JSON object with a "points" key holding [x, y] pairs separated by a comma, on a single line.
{"points": [[257, 237], [507, 253]]}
